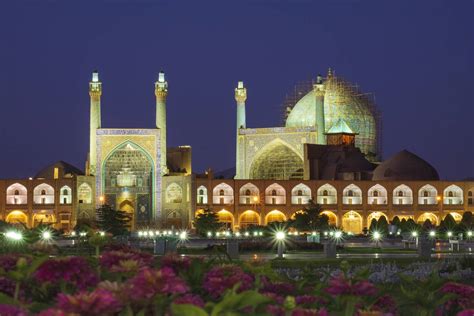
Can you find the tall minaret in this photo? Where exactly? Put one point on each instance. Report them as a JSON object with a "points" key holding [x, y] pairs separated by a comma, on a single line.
{"points": [[161, 91], [95, 91], [319, 95], [240, 97]]}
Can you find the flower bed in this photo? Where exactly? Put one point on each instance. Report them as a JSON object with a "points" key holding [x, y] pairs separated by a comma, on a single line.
{"points": [[129, 282]]}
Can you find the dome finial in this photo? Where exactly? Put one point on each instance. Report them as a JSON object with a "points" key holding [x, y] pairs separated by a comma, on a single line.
{"points": [[330, 73]]}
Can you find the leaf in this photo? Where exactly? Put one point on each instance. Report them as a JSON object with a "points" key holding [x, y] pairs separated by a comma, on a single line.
{"points": [[187, 310], [34, 265], [232, 301], [5, 299]]}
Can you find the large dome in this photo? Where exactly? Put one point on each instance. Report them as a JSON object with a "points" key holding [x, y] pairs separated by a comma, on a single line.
{"points": [[342, 100], [405, 166]]}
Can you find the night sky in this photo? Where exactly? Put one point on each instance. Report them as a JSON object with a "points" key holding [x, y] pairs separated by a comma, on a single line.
{"points": [[415, 56]]}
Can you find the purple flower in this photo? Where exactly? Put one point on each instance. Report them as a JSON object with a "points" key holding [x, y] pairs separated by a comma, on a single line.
{"points": [[73, 270], [464, 296], [341, 286], [275, 310], [280, 288], [148, 283], [53, 312], [385, 303], [113, 260], [10, 310], [98, 302], [8, 262], [466, 312], [190, 299], [175, 262], [306, 299], [221, 278]]}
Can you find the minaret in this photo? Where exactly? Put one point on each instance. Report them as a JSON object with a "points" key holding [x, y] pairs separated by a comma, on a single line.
{"points": [[319, 95], [240, 97], [161, 91], [95, 91]]}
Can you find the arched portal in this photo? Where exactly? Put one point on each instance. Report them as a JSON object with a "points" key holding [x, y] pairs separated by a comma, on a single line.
{"points": [[376, 216], [277, 161], [274, 216], [17, 217], [174, 220], [226, 218], [430, 216], [331, 216], [248, 218], [128, 207], [43, 218], [457, 217], [352, 222], [128, 175]]}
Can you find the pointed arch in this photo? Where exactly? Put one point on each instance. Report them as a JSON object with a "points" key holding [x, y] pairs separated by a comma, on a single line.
{"points": [[277, 160], [17, 217], [352, 194], [248, 218], [226, 218], [43, 194], [84, 193], [453, 195], [274, 216], [65, 195], [275, 194], [430, 216], [333, 221], [300, 194], [249, 194], [223, 194], [174, 193], [377, 194], [202, 195], [402, 195], [352, 222], [427, 194], [375, 215], [327, 194], [17, 194]]}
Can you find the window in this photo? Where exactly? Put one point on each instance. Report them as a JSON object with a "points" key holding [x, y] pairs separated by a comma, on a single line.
{"points": [[349, 201], [425, 201], [400, 201], [350, 193], [247, 192], [469, 193], [65, 200], [274, 192], [43, 201], [300, 193], [300, 201], [450, 194], [65, 192], [247, 200], [43, 192], [201, 200], [221, 201], [400, 193], [201, 192], [273, 200], [325, 193], [376, 193], [425, 194], [17, 192], [469, 201], [221, 192], [325, 201]]}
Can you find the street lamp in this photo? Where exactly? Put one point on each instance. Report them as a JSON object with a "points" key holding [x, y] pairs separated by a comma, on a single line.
{"points": [[102, 199], [450, 234], [46, 235], [14, 236], [432, 233], [280, 237]]}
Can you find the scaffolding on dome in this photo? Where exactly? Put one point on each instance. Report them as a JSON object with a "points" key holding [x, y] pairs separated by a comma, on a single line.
{"points": [[345, 100]]}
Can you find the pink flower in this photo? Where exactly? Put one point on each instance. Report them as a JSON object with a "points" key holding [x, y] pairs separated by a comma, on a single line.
{"points": [[8, 261], [306, 299], [464, 296], [275, 310], [386, 304], [73, 270], [279, 288], [190, 299], [466, 312], [53, 312], [98, 302], [309, 312], [341, 286], [221, 278], [148, 283], [10, 310], [175, 262]]}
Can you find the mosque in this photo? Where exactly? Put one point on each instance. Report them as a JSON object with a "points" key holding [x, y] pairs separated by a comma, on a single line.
{"points": [[328, 151]]}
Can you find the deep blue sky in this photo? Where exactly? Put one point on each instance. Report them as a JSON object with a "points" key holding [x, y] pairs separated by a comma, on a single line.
{"points": [[416, 56]]}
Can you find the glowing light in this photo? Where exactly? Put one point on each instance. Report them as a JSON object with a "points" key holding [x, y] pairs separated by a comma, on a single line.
{"points": [[227, 233], [432, 233], [246, 234], [260, 233], [217, 234], [102, 234], [469, 233], [183, 235], [209, 234], [237, 234], [17, 236], [414, 234], [338, 234], [255, 233], [313, 233], [46, 235], [450, 234], [280, 236], [73, 233], [101, 199], [376, 235]]}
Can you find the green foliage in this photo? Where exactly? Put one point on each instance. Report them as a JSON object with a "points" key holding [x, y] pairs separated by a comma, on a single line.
{"points": [[310, 218], [207, 221], [448, 223], [113, 221], [396, 221]]}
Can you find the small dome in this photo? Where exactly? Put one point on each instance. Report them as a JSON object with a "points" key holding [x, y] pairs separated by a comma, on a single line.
{"points": [[405, 166], [65, 170]]}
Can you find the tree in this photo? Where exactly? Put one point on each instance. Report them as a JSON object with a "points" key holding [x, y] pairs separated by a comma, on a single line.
{"points": [[396, 221], [207, 221], [382, 225], [373, 225], [467, 220], [115, 222], [310, 218], [447, 224]]}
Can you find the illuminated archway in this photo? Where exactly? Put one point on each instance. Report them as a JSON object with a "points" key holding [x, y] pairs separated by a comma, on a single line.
{"points": [[300, 194], [376, 216], [65, 195], [277, 161], [202, 195], [174, 220], [377, 194], [43, 194], [275, 194], [457, 217], [352, 222], [17, 194], [174, 193], [427, 194], [44, 218], [84, 194], [248, 218], [332, 218], [327, 194], [352, 194], [453, 195], [17, 217], [226, 218], [430, 216], [223, 194], [249, 194], [274, 216], [402, 195]]}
